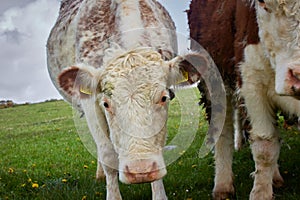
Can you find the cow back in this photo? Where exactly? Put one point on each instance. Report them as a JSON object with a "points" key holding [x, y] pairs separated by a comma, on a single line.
{"points": [[86, 29]]}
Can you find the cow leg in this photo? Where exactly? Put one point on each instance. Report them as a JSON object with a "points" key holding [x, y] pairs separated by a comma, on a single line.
{"points": [[107, 157], [223, 157], [158, 190], [277, 178], [100, 172], [112, 184], [260, 99], [265, 154]]}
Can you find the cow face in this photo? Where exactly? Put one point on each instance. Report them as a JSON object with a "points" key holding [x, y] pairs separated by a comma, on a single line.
{"points": [[134, 95], [279, 32], [131, 91]]}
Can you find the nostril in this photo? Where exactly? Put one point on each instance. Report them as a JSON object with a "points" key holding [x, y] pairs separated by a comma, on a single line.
{"points": [[295, 74], [154, 166], [154, 171], [127, 169]]}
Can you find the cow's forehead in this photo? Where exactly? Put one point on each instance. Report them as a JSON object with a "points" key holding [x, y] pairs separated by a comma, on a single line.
{"points": [[136, 71], [141, 80]]}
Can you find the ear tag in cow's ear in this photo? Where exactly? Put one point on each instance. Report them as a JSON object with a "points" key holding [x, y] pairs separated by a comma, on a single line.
{"points": [[85, 90], [185, 76]]}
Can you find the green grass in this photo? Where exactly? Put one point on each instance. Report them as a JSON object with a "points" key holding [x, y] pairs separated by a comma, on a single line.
{"points": [[39, 144]]}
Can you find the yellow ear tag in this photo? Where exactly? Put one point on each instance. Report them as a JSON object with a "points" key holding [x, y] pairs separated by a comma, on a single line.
{"points": [[85, 90], [185, 77]]}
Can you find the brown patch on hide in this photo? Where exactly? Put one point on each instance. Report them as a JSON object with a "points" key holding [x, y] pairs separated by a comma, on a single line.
{"points": [[100, 21], [246, 33], [223, 28], [147, 14]]}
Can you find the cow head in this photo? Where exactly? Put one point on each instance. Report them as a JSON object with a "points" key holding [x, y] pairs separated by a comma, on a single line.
{"points": [[132, 91], [279, 30]]}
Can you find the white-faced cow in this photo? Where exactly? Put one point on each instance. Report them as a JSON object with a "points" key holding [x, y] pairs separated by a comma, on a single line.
{"points": [[114, 60], [271, 81], [268, 78]]}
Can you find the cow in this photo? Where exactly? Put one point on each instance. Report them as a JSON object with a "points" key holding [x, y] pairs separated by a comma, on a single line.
{"points": [[255, 45], [115, 61], [271, 81]]}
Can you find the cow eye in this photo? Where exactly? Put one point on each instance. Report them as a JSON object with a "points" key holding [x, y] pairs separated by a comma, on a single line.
{"points": [[105, 104], [261, 1], [164, 99]]}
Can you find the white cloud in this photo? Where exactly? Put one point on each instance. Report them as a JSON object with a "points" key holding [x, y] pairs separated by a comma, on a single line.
{"points": [[23, 35]]}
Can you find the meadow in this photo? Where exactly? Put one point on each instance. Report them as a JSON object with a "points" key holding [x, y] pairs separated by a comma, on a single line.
{"points": [[42, 157]]}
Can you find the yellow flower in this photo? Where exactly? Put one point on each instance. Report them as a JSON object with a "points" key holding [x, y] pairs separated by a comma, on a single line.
{"points": [[23, 185], [35, 185], [11, 170], [84, 198], [25, 171], [64, 180], [93, 162], [98, 193], [85, 166], [29, 180], [33, 165]]}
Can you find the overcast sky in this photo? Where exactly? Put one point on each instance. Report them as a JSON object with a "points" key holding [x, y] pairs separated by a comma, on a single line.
{"points": [[24, 29]]}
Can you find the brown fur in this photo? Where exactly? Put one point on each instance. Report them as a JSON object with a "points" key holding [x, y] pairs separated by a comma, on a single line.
{"points": [[223, 28]]}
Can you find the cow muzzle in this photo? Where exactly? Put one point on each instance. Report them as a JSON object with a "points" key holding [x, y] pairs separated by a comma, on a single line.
{"points": [[294, 81], [142, 171], [290, 84]]}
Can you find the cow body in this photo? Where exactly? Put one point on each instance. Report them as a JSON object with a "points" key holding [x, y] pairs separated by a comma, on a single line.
{"points": [[268, 71], [114, 61], [91, 37], [271, 83]]}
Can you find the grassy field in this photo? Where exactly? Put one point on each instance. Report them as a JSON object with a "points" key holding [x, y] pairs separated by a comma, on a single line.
{"points": [[42, 157]]}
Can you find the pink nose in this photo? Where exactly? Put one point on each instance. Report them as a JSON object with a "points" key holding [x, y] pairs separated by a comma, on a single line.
{"points": [[142, 172]]}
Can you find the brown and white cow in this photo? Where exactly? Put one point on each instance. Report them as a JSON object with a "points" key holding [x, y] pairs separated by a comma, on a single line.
{"points": [[115, 60], [271, 81], [268, 78]]}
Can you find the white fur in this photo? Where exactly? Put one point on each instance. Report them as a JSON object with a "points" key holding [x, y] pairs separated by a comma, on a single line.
{"points": [[130, 23]]}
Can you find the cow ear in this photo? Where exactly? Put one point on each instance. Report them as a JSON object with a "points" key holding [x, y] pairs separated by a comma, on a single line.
{"points": [[78, 82], [192, 66]]}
